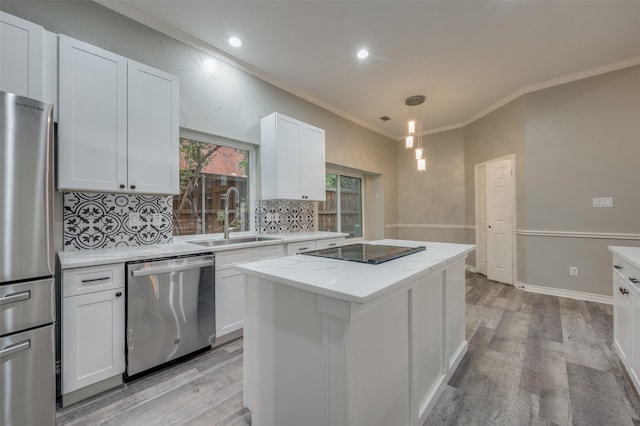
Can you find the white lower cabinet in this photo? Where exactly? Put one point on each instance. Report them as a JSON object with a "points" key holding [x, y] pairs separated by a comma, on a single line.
{"points": [[230, 290], [229, 301], [300, 247], [329, 243], [621, 317], [626, 309], [93, 309], [634, 353]]}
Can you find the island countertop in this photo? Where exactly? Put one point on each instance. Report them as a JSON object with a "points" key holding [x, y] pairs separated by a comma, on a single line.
{"points": [[352, 281]]}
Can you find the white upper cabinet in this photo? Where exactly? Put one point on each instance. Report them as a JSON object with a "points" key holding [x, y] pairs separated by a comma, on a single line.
{"points": [[291, 159], [153, 142], [118, 123], [21, 57]]}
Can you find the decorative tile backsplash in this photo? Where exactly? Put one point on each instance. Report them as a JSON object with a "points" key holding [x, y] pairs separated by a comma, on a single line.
{"points": [[93, 220], [280, 216]]}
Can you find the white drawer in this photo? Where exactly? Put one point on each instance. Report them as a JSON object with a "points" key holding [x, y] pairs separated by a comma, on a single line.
{"points": [[268, 252], [329, 242], [620, 267], [633, 278], [228, 258], [92, 279], [301, 247]]}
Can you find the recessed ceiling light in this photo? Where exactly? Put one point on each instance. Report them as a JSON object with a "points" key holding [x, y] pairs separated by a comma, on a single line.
{"points": [[235, 41], [363, 53]]}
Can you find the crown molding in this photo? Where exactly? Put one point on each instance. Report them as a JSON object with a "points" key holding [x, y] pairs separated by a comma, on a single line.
{"points": [[144, 19], [552, 83], [148, 21]]}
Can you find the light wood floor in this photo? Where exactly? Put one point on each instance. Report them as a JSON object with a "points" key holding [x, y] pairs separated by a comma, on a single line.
{"points": [[532, 360]]}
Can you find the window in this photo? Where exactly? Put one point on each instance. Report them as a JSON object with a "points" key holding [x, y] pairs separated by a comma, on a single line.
{"points": [[208, 168], [342, 210]]}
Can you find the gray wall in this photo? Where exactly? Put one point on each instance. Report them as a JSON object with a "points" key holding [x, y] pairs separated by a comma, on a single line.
{"points": [[437, 195], [572, 142], [228, 102], [582, 141]]}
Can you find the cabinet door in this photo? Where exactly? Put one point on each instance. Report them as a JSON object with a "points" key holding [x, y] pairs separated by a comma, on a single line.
{"points": [[21, 57], [288, 153], [230, 304], [621, 318], [153, 140], [312, 164], [634, 352], [93, 118], [92, 338]]}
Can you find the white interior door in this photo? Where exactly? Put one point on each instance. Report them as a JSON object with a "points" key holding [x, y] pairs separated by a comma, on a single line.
{"points": [[481, 218], [499, 175]]}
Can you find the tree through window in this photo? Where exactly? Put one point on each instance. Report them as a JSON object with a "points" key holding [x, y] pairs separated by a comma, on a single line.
{"points": [[206, 172]]}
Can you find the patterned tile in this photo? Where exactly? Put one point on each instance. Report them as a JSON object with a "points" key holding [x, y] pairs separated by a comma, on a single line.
{"points": [[93, 220], [281, 216]]}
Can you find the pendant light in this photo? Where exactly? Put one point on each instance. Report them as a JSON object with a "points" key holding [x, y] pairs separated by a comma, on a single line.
{"points": [[414, 129]]}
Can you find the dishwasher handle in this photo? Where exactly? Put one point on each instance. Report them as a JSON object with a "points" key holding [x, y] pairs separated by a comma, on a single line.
{"points": [[195, 264]]}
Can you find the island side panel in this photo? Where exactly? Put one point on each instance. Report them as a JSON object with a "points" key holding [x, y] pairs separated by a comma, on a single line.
{"points": [[285, 356], [428, 343], [378, 364], [455, 307]]}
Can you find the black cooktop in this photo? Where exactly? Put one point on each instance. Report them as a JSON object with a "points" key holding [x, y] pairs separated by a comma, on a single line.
{"points": [[365, 253]]}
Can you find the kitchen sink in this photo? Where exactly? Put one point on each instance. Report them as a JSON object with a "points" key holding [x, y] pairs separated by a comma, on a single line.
{"points": [[229, 241]]}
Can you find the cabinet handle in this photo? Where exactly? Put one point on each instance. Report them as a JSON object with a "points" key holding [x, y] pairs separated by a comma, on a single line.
{"points": [[634, 280], [303, 248], [95, 279], [332, 244], [18, 347], [624, 290], [15, 297], [118, 294], [618, 267], [122, 185], [133, 187]]}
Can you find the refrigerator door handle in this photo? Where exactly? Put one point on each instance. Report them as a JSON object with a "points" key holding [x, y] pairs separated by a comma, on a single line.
{"points": [[15, 297], [18, 347]]}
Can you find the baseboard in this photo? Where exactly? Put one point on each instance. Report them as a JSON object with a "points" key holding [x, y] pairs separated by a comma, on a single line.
{"points": [[470, 268], [570, 294]]}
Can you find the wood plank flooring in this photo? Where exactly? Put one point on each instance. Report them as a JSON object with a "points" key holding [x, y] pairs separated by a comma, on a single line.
{"points": [[532, 360]]}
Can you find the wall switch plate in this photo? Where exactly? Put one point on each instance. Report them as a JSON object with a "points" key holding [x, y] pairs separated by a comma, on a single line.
{"points": [[573, 270], [603, 202], [134, 220], [157, 219]]}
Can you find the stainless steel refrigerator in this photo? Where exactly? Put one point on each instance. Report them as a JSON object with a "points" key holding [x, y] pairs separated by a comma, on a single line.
{"points": [[27, 303]]}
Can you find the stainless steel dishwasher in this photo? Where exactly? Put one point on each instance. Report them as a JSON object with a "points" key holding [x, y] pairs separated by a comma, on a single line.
{"points": [[170, 310]]}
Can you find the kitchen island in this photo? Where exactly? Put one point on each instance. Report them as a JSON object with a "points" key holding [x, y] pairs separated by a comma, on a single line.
{"points": [[333, 342]]}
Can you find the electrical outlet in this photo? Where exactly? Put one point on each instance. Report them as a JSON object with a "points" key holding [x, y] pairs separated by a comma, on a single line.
{"points": [[603, 202], [157, 219], [573, 270], [134, 220]]}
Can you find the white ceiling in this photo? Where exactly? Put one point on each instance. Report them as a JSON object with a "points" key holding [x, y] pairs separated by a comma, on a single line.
{"points": [[465, 56]]}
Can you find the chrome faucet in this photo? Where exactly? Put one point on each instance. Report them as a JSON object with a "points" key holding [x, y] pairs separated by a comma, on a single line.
{"points": [[225, 198]]}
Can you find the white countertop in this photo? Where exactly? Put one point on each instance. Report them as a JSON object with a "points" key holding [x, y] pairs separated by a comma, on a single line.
{"points": [[180, 246], [630, 254], [352, 281]]}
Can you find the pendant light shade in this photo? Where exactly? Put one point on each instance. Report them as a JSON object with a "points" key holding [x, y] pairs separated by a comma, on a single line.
{"points": [[408, 142], [414, 128]]}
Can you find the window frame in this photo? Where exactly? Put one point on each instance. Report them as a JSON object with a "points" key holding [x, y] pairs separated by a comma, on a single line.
{"points": [[352, 174], [252, 168]]}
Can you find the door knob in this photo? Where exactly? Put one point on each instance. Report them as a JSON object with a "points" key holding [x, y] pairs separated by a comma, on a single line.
{"points": [[490, 227]]}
